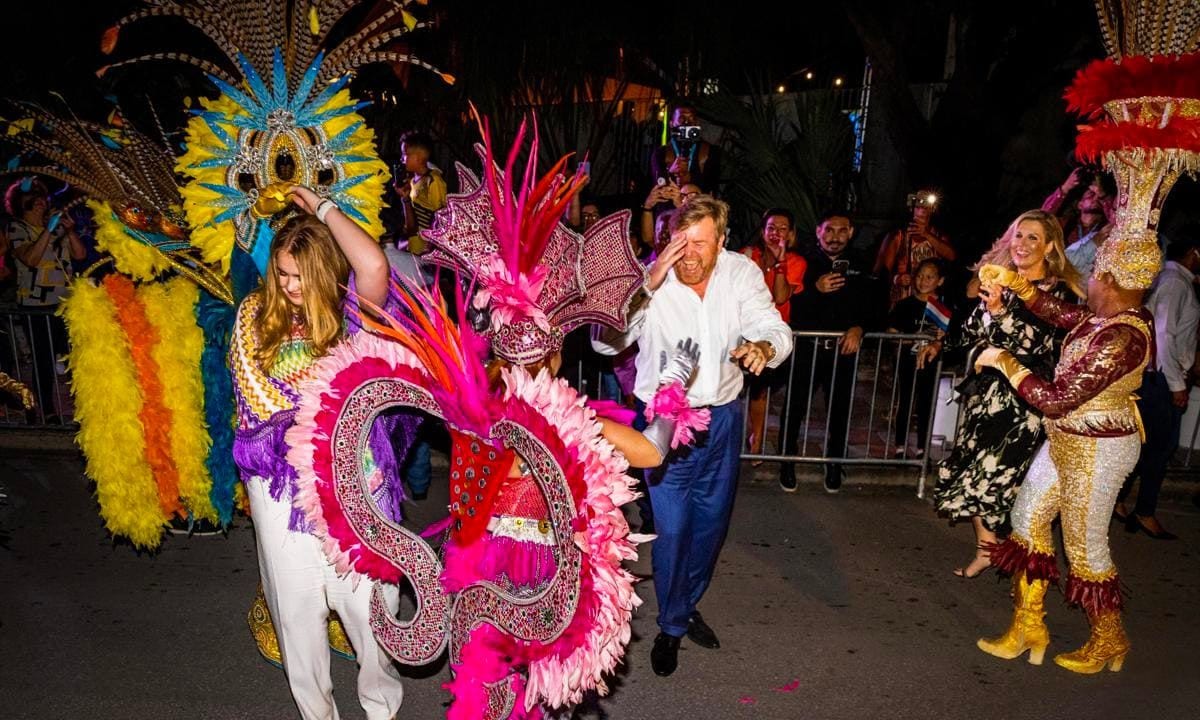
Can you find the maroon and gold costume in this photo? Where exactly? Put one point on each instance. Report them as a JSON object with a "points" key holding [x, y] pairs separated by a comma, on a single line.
{"points": [[1094, 438], [1141, 113]]}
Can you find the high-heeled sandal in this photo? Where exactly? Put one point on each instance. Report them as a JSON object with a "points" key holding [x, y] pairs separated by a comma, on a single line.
{"points": [[962, 571]]}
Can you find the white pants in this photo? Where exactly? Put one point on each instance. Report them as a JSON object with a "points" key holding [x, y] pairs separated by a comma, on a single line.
{"points": [[301, 587]]}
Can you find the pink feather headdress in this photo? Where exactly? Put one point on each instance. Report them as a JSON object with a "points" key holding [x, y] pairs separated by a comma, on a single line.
{"points": [[538, 278]]}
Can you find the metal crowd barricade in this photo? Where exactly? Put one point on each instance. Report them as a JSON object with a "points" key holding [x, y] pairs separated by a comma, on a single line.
{"points": [[30, 352], [877, 364]]}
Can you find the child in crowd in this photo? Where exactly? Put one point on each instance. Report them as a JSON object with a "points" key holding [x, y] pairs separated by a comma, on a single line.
{"points": [[921, 312]]}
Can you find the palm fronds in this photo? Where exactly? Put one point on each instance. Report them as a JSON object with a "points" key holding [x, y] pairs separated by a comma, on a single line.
{"points": [[793, 152]]}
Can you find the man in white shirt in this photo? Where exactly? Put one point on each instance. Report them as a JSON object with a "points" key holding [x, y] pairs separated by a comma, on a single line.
{"points": [[698, 290], [1163, 397]]}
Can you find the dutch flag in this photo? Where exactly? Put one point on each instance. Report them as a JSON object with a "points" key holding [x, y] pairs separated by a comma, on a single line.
{"points": [[938, 314]]}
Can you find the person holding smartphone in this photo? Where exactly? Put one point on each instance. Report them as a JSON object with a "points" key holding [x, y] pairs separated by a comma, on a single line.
{"points": [[44, 244], [839, 295]]}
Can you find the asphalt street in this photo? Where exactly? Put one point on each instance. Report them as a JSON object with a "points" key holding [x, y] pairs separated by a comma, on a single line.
{"points": [[827, 606]]}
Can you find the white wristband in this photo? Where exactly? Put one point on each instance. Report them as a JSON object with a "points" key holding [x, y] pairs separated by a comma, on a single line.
{"points": [[323, 209]]}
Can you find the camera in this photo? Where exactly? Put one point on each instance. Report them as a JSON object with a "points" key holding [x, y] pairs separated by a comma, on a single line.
{"points": [[841, 267], [686, 137], [923, 198], [686, 133]]}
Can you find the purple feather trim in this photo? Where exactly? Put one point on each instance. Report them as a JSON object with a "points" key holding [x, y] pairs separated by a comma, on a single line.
{"points": [[262, 452], [352, 311], [391, 437]]}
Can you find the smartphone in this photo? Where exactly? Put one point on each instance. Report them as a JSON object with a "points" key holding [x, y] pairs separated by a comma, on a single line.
{"points": [[841, 267]]}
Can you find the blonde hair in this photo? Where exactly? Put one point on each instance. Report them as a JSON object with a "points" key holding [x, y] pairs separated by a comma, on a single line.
{"points": [[699, 208], [1058, 267], [324, 271]]}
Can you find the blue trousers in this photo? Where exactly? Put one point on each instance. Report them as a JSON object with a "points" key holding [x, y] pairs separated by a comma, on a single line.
{"points": [[418, 468], [692, 494]]}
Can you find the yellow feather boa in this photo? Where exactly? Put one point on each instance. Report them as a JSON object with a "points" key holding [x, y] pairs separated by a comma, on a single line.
{"points": [[170, 307], [107, 404], [131, 257]]}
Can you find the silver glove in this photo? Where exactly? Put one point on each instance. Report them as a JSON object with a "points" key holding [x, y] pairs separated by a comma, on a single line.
{"points": [[659, 433], [680, 365]]}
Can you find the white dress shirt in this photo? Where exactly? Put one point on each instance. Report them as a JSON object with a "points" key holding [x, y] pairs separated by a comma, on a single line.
{"points": [[736, 306], [1176, 312]]}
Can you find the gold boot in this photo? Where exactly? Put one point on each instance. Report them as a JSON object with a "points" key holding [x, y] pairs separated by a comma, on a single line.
{"points": [[259, 619], [1107, 645], [339, 643], [1028, 629]]}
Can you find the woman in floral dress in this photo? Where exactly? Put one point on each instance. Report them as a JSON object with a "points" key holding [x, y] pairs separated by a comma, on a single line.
{"points": [[999, 433]]}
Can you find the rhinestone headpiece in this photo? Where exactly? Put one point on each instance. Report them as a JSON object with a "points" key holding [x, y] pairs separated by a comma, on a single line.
{"points": [[538, 278]]}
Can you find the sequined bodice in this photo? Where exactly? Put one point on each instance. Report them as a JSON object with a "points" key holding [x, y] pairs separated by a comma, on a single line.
{"points": [[1113, 409]]}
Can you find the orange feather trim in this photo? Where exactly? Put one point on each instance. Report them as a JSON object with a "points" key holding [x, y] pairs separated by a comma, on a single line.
{"points": [[155, 417]]}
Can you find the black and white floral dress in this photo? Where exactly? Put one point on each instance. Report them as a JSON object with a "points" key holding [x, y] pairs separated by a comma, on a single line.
{"points": [[998, 433]]}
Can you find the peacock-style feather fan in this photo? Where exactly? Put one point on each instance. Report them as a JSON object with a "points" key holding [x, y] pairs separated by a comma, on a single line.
{"points": [[284, 114], [1149, 27], [129, 181]]}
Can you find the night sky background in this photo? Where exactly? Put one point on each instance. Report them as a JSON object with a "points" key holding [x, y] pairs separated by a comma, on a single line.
{"points": [[998, 143]]}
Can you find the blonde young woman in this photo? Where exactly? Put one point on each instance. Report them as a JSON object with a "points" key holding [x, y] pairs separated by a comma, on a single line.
{"points": [[295, 317], [999, 433]]}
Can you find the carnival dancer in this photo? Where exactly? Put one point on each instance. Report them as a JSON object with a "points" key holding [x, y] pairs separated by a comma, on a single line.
{"points": [[531, 304], [532, 598], [295, 317], [1141, 112], [1093, 431], [503, 532]]}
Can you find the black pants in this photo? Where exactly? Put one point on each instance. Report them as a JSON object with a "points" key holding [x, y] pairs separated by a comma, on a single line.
{"points": [[819, 366], [645, 508], [1162, 422], [910, 381]]}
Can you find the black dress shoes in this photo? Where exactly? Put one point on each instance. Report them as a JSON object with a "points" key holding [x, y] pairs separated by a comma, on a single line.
{"points": [[833, 478], [700, 633], [664, 657]]}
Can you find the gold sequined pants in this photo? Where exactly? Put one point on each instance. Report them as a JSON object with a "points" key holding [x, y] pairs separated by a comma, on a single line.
{"points": [[1077, 478]]}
